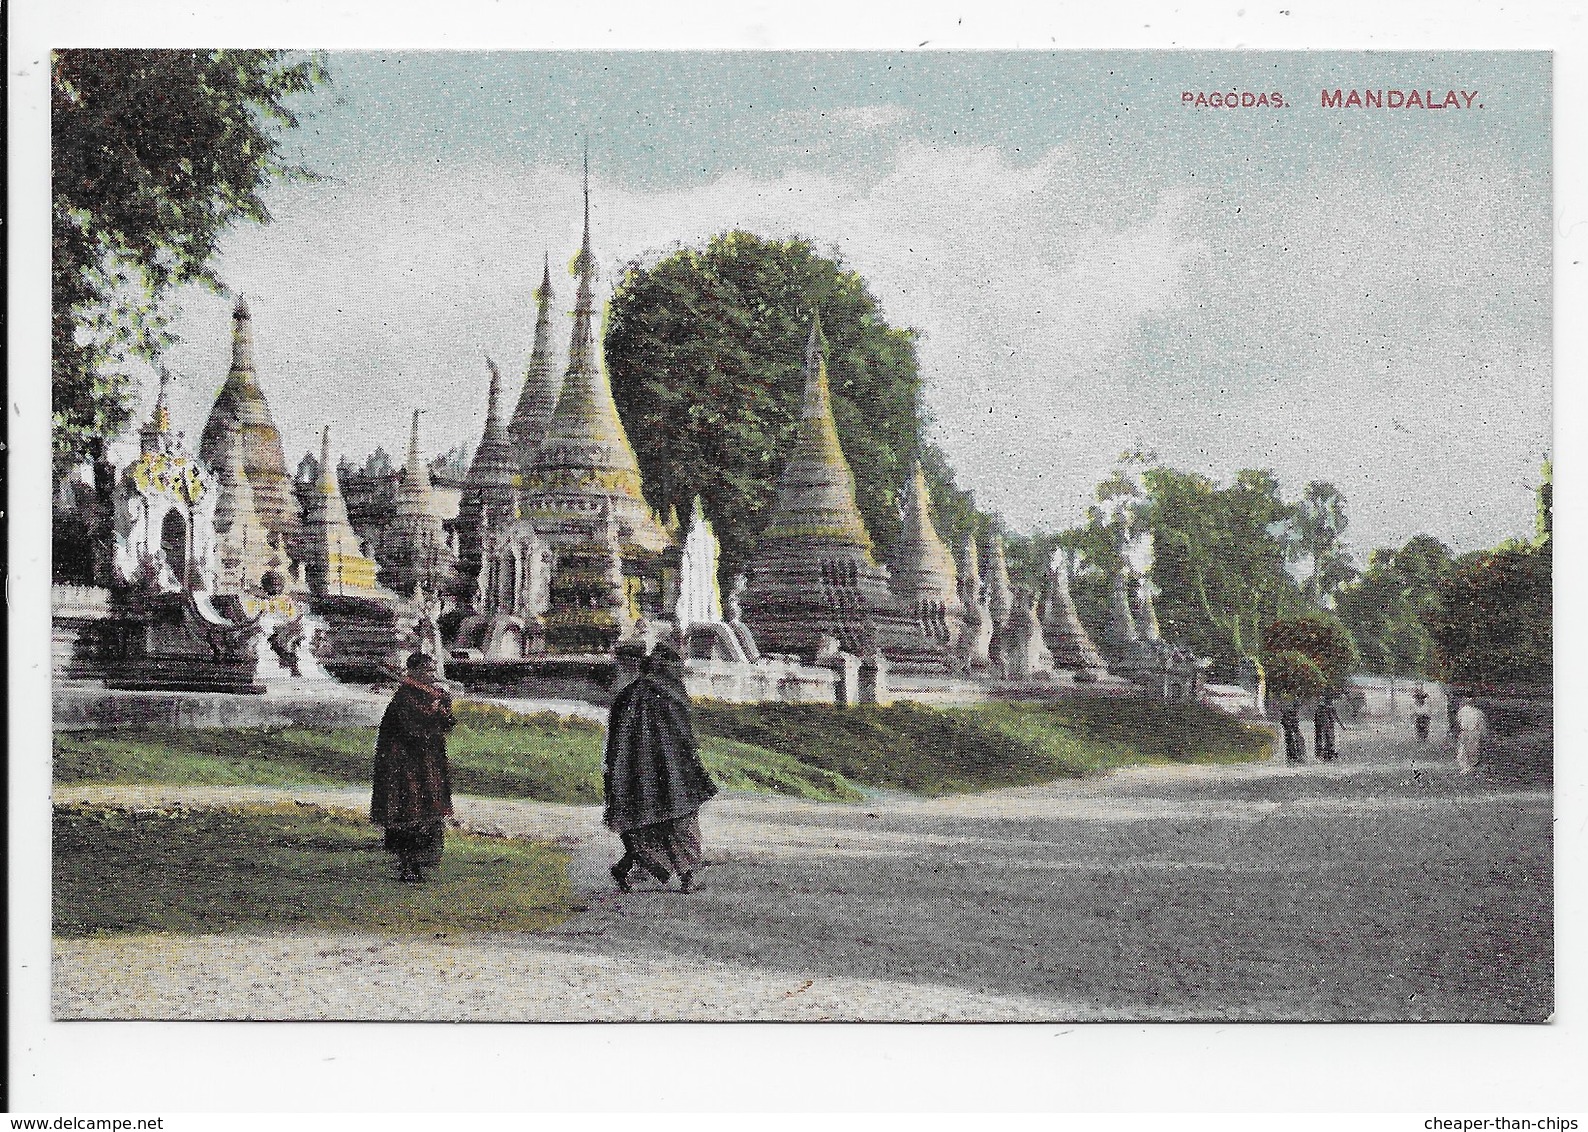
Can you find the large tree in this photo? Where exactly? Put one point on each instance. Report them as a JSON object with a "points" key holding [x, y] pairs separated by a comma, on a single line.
{"points": [[1388, 606], [155, 154], [705, 350], [1218, 554]]}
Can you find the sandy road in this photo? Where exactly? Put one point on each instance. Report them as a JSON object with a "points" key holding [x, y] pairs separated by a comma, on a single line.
{"points": [[1383, 886]]}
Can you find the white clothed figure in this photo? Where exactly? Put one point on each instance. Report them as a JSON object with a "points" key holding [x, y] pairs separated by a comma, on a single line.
{"points": [[1470, 728]]}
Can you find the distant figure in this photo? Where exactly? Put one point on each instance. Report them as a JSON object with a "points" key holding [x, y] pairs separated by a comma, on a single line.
{"points": [[1290, 720], [1470, 728], [412, 794], [1421, 715], [654, 782], [1324, 721]]}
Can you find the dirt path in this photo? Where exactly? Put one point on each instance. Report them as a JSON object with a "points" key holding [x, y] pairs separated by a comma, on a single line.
{"points": [[1383, 886]]}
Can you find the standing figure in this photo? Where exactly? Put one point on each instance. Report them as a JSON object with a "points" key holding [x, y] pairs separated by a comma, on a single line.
{"points": [[1421, 716], [1471, 724], [412, 795], [654, 782], [1324, 721], [1290, 720]]}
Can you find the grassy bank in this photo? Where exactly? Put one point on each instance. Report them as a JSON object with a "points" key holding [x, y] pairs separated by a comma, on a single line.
{"points": [[492, 751], [120, 871], [934, 751], [803, 751]]}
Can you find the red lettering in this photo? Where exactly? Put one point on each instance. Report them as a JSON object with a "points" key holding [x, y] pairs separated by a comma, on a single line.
{"points": [[1187, 96], [1353, 99], [1397, 99], [1331, 101], [1375, 99], [1469, 96], [1414, 99]]}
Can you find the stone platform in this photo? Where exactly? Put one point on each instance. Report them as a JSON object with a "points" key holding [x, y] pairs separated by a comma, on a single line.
{"points": [[85, 706]]}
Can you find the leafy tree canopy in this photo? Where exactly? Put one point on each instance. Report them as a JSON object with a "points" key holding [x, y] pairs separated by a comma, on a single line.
{"points": [[1218, 554], [1317, 637], [1387, 606], [155, 154], [706, 352], [1492, 617]]}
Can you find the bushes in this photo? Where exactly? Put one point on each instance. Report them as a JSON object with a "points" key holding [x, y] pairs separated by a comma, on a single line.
{"points": [[1492, 622]]}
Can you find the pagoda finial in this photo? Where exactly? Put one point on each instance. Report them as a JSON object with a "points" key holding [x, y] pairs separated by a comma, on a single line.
{"points": [[418, 473], [813, 344], [493, 419], [327, 469], [242, 337]]}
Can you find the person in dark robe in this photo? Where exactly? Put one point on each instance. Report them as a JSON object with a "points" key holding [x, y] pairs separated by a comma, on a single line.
{"points": [[1324, 721], [1421, 715], [412, 795], [1290, 721], [654, 782]]}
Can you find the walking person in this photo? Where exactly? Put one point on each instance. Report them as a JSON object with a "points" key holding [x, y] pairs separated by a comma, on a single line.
{"points": [[1324, 721], [1290, 722], [412, 794], [1421, 715], [1471, 725], [655, 784]]}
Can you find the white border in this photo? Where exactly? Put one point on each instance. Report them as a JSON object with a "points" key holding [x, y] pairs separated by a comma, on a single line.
{"points": [[215, 1067]]}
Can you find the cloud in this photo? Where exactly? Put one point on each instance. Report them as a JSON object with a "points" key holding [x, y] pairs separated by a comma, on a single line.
{"points": [[1345, 327]]}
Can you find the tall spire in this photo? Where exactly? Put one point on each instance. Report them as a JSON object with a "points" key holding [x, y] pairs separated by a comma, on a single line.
{"points": [[1066, 637], [335, 558], [242, 337], [816, 490], [537, 401], [1000, 595], [242, 417], [923, 567], [418, 472], [489, 493], [585, 451]]}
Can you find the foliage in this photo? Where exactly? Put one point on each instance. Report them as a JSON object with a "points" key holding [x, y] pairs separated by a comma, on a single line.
{"points": [[1387, 607], [1320, 522], [155, 154], [1491, 622], [706, 354], [1291, 673], [1318, 638], [1492, 617], [209, 871], [1218, 554]]}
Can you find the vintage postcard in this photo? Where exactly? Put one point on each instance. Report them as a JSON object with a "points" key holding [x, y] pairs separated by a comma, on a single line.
{"points": [[1047, 536]]}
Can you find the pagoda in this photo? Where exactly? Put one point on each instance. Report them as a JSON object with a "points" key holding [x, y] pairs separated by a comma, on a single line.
{"points": [[1000, 598], [537, 400], [815, 573], [924, 578], [241, 418], [414, 553], [489, 495], [583, 494], [976, 638], [337, 564], [1066, 637]]}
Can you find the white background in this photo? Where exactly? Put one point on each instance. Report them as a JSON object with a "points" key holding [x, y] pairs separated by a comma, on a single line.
{"points": [[217, 1067]]}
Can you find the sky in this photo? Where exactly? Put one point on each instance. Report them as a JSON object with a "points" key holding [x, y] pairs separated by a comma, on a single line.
{"points": [[1354, 295]]}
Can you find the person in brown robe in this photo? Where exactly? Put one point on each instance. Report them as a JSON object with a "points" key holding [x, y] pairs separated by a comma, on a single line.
{"points": [[412, 795], [654, 781]]}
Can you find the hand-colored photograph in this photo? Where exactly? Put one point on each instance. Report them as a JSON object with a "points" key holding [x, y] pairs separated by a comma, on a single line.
{"points": [[975, 536]]}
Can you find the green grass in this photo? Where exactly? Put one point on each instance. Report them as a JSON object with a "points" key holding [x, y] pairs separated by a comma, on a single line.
{"points": [[798, 750], [938, 751], [119, 871], [492, 752]]}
